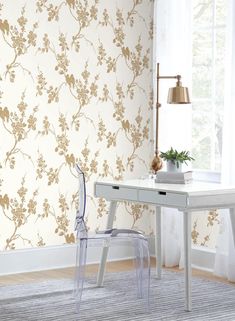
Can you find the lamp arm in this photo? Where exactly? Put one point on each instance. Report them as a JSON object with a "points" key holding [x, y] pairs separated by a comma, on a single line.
{"points": [[178, 77]]}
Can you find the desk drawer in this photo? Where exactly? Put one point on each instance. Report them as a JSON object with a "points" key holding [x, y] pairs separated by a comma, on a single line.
{"points": [[115, 192], [162, 198]]}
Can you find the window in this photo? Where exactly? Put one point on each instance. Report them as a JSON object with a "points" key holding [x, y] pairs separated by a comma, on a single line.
{"points": [[209, 28]]}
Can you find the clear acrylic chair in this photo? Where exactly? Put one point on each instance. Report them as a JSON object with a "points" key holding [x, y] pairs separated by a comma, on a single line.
{"points": [[109, 238]]}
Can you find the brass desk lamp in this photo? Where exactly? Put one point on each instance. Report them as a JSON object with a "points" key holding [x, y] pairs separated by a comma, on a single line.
{"points": [[176, 95]]}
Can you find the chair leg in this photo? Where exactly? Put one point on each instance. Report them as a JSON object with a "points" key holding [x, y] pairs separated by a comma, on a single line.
{"points": [[138, 267], [146, 273], [142, 264], [80, 271]]}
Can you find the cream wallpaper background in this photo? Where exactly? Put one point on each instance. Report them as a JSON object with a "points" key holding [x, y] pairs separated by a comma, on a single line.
{"points": [[75, 86]]}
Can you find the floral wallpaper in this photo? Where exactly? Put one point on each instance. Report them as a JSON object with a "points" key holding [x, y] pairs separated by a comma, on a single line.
{"points": [[75, 86], [205, 228]]}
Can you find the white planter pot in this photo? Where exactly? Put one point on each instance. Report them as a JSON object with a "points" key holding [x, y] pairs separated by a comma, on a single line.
{"points": [[171, 167]]}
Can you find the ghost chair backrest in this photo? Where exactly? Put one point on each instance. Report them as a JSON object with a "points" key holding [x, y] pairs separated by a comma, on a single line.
{"points": [[80, 214]]}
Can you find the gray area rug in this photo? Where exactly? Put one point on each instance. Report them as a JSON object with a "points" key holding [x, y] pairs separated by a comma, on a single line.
{"points": [[53, 300]]}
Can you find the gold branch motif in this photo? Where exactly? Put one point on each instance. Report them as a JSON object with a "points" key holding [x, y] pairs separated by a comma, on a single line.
{"points": [[110, 62], [136, 211], [88, 161], [194, 233], [18, 125], [205, 240], [82, 12], [83, 15], [61, 67], [83, 90], [133, 12], [53, 11], [18, 210], [151, 29], [53, 173], [212, 220], [136, 133], [40, 242], [110, 137], [19, 40], [136, 60], [102, 208], [213, 217], [61, 148], [63, 222], [108, 171], [69, 87], [61, 218]]}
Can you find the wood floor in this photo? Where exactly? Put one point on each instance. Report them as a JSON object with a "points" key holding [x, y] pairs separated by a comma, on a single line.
{"points": [[69, 273]]}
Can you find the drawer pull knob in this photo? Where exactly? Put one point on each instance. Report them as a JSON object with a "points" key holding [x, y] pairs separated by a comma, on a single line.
{"points": [[115, 187], [161, 193]]}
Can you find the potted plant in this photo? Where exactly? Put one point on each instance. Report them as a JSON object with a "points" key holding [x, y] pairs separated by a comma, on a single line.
{"points": [[175, 159]]}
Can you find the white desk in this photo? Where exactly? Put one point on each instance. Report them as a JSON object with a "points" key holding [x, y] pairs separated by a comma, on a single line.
{"points": [[184, 197]]}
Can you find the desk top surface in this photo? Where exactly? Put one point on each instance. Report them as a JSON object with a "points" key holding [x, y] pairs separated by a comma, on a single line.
{"points": [[192, 189]]}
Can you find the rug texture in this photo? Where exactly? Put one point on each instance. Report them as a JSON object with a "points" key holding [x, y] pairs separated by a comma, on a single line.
{"points": [[53, 300]]}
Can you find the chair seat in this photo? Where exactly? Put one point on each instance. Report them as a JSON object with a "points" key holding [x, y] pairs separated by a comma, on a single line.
{"points": [[101, 240], [105, 239], [116, 233]]}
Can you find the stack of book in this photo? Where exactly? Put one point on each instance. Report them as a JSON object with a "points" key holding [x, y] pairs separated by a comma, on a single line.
{"points": [[174, 177]]}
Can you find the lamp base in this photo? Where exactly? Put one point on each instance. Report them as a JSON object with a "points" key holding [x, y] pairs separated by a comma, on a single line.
{"points": [[157, 163]]}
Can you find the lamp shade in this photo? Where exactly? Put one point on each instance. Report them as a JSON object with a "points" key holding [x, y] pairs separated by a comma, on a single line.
{"points": [[178, 95]]}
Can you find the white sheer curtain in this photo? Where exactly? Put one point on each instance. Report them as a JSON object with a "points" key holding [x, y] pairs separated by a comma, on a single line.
{"points": [[225, 252], [173, 52]]}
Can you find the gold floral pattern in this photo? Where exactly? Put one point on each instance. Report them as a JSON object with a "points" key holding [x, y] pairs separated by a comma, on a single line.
{"points": [[19, 211], [205, 228], [18, 125], [75, 87]]}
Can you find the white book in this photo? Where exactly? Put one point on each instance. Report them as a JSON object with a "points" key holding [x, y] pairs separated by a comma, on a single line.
{"points": [[167, 181], [174, 176]]}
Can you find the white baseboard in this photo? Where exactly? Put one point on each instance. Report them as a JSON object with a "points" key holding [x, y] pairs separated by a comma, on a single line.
{"points": [[53, 257], [57, 257], [202, 258]]}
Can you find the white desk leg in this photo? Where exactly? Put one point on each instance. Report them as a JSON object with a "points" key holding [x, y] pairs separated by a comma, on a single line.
{"points": [[187, 260], [232, 219], [158, 243], [100, 277]]}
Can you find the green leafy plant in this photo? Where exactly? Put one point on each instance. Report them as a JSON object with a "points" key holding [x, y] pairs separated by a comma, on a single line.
{"points": [[176, 157]]}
